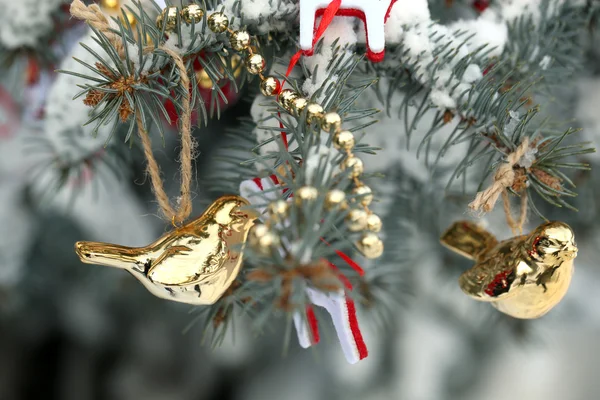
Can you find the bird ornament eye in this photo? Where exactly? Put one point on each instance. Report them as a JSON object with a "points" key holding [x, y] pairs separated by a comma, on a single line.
{"points": [[543, 245]]}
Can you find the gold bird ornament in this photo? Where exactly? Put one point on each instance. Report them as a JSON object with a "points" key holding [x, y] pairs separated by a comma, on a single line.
{"points": [[193, 264], [525, 276]]}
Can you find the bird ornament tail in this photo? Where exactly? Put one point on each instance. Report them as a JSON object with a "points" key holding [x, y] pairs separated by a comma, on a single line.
{"points": [[468, 239]]}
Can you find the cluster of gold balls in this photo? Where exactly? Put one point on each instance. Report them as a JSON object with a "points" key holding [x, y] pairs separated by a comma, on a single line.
{"points": [[218, 23], [359, 219], [262, 237], [264, 240]]}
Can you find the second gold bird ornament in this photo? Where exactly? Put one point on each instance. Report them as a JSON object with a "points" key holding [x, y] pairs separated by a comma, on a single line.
{"points": [[525, 276]]}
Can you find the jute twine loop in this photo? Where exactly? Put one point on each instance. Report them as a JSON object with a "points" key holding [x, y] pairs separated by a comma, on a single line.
{"points": [[96, 18], [503, 179]]}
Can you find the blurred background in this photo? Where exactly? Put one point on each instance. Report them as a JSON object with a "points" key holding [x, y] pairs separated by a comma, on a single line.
{"points": [[71, 331]]}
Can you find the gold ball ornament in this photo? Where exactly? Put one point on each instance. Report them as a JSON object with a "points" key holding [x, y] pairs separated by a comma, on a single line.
{"points": [[286, 99], [343, 140], [314, 113], [299, 104], [257, 231], [261, 239], [364, 193], [334, 198], [332, 122], [306, 194], [203, 79], [218, 22], [193, 264], [192, 14], [370, 245], [374, 223], [267, 242], [168, 19], [278, 210], [356, 220], [239, 40], [255, 64], [110, 6], [269, 86], [353, 165], [525, 276]]}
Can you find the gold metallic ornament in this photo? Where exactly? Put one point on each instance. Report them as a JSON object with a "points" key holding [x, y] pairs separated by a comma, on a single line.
{"points": [[286, 99], [110, 6], [205, 82], [257, 231], [305, 194], [374, 223], [239, 40], [525, 276], [353, 165], [334, 198], [203, 79], [332, 122], [255, 64], [278, 210], [364, 193], [356, 220], [192, 14], [343, 140], [314, 113], [269, 86], [168, 17], [261, 239], [193, 264], [370, 245], [218, 22], [299, 104]]}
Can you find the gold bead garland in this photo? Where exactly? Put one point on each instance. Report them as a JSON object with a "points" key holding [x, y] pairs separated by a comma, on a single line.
{"points": [[358, 219]]}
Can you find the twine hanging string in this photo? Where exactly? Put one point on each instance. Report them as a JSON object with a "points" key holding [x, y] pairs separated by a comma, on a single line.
{"points": [[96, 18], [515, 225], [503, 179]]}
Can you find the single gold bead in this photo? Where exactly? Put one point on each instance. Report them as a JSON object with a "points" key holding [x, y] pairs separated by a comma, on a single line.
{"points": [[278, 210], [110, 6], [239, 40], [343, 140], [255, 64], [299, 104], [306, 194], [269, 86], [374, 223], [334, 198], [286, 99], [130, 18], [356, 220], [168, 18], [332, 122], [203, 79], [364, 194], [218, 22], [236, 65], [314, 113], [353, 165], [192, 14], [267, 241], [370, 245]]}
